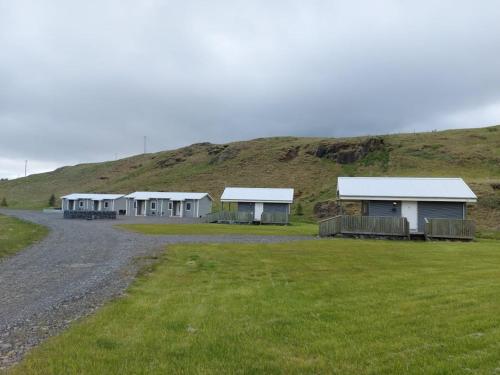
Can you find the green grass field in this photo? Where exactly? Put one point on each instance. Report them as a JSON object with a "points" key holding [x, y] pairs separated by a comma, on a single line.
{"points": [[325, 306], [16, 234], [295, 229]]}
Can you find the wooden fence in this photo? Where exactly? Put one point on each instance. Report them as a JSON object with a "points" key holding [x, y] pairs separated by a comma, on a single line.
{"points": [[364, 225], [89, 215], [330, 226], [274, 218], [235, 217], [229, 217], [450, 228]]}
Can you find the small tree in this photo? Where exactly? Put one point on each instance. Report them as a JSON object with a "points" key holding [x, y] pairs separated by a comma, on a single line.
{"points": [[298, 210], [52, 200], [3, 203]]}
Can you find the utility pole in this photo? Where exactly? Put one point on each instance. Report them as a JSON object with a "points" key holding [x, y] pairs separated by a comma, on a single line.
{"points": [[25, 168], [145, 141]]}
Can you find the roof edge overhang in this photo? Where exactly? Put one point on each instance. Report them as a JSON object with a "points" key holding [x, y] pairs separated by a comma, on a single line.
{"points": [[254, 201], [130, 196], [91, 199], [421, 199]]}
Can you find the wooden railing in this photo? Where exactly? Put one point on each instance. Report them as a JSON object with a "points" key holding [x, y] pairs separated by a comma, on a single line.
{"points": [[246, 217], [89, 215], [364, 225], [229, 217], [450, 228], [274, 218], [330, 226]]}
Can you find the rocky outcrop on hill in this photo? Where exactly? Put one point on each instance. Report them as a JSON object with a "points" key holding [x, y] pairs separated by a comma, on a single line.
{"points": [[221, 153], [344, 152], [289, 153], [326, 209]]}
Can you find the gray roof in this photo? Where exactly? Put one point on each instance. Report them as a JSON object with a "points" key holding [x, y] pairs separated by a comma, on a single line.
{"points": [[94, 197], [269, 195], [404, 188]]}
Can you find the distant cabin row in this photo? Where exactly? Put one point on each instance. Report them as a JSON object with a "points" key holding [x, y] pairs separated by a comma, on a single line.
{"points": [[182, 204], [416, 199]]}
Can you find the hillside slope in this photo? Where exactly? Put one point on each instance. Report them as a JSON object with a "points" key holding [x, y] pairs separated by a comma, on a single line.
{"points": [[310, 165]]}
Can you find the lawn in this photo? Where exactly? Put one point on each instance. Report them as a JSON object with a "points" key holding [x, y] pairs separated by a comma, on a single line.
{"points": [[346, 306], [294, 229], [16, 234]]}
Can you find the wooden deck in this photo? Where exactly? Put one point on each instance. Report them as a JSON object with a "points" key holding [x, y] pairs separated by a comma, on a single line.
{"points": [[449, 228], [234, 217], [274, 218], [364, 225], [395, 227]]}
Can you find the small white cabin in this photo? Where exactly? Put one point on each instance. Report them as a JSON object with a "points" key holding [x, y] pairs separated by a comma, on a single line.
{"points": [[416, 198], [258, 200]]}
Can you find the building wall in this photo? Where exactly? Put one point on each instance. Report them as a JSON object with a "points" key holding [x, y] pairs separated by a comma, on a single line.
{"points": [[156, 203], [120, 205], [129, 206], [439, 210], [276, 207], [162, 207], [205, 206], [246, 207], [192, 211], [384, 208], [88, 204]]}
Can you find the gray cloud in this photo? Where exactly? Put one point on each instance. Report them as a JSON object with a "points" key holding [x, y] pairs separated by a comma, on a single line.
{"points": [[83, 82]]}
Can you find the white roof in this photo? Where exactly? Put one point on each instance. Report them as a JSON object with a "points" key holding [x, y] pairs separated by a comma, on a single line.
{"points": [[175, 196], [270, 195], [94, 197], [405, 188]]}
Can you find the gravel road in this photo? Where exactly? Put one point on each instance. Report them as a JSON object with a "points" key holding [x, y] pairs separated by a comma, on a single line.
{"points": [[80, 265]]}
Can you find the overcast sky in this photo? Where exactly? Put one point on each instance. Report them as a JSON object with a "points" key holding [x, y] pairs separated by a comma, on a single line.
{"points": [[85, 80]]}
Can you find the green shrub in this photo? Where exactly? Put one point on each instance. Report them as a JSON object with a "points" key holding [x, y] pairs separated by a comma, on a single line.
{"points": [[52, 200], [299, 211]]}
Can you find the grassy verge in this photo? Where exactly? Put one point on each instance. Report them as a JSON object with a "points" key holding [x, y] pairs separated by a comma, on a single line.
{"points": [[295, 229], [330, 306], [16, 234], [488, 234]]}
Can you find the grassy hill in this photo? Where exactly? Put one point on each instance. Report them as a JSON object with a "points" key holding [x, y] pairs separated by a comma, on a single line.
{"points": [[310, 165]]}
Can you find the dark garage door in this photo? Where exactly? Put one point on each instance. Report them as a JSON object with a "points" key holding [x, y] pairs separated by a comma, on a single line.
{"points": [[438, 210]]}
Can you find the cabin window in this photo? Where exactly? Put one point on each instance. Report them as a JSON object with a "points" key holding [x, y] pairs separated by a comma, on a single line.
{"points": [[80, 204], [170, 205], [106, 204], [153, 205], [188, 206]]}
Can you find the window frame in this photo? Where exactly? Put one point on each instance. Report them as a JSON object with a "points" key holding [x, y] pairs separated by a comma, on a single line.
{"points": [[153, 205], [188, 206]]}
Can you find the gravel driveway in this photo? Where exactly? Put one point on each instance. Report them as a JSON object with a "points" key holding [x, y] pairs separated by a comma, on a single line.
{"points": [[80, 265]]}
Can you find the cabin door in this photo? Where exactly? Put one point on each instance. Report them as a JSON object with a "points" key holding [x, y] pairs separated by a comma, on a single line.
{"points": [[259, 209], [410, 211], [177, 208]]}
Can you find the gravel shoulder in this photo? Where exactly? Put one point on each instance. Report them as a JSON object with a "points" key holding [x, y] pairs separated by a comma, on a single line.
{"points": [[79, 266]]}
